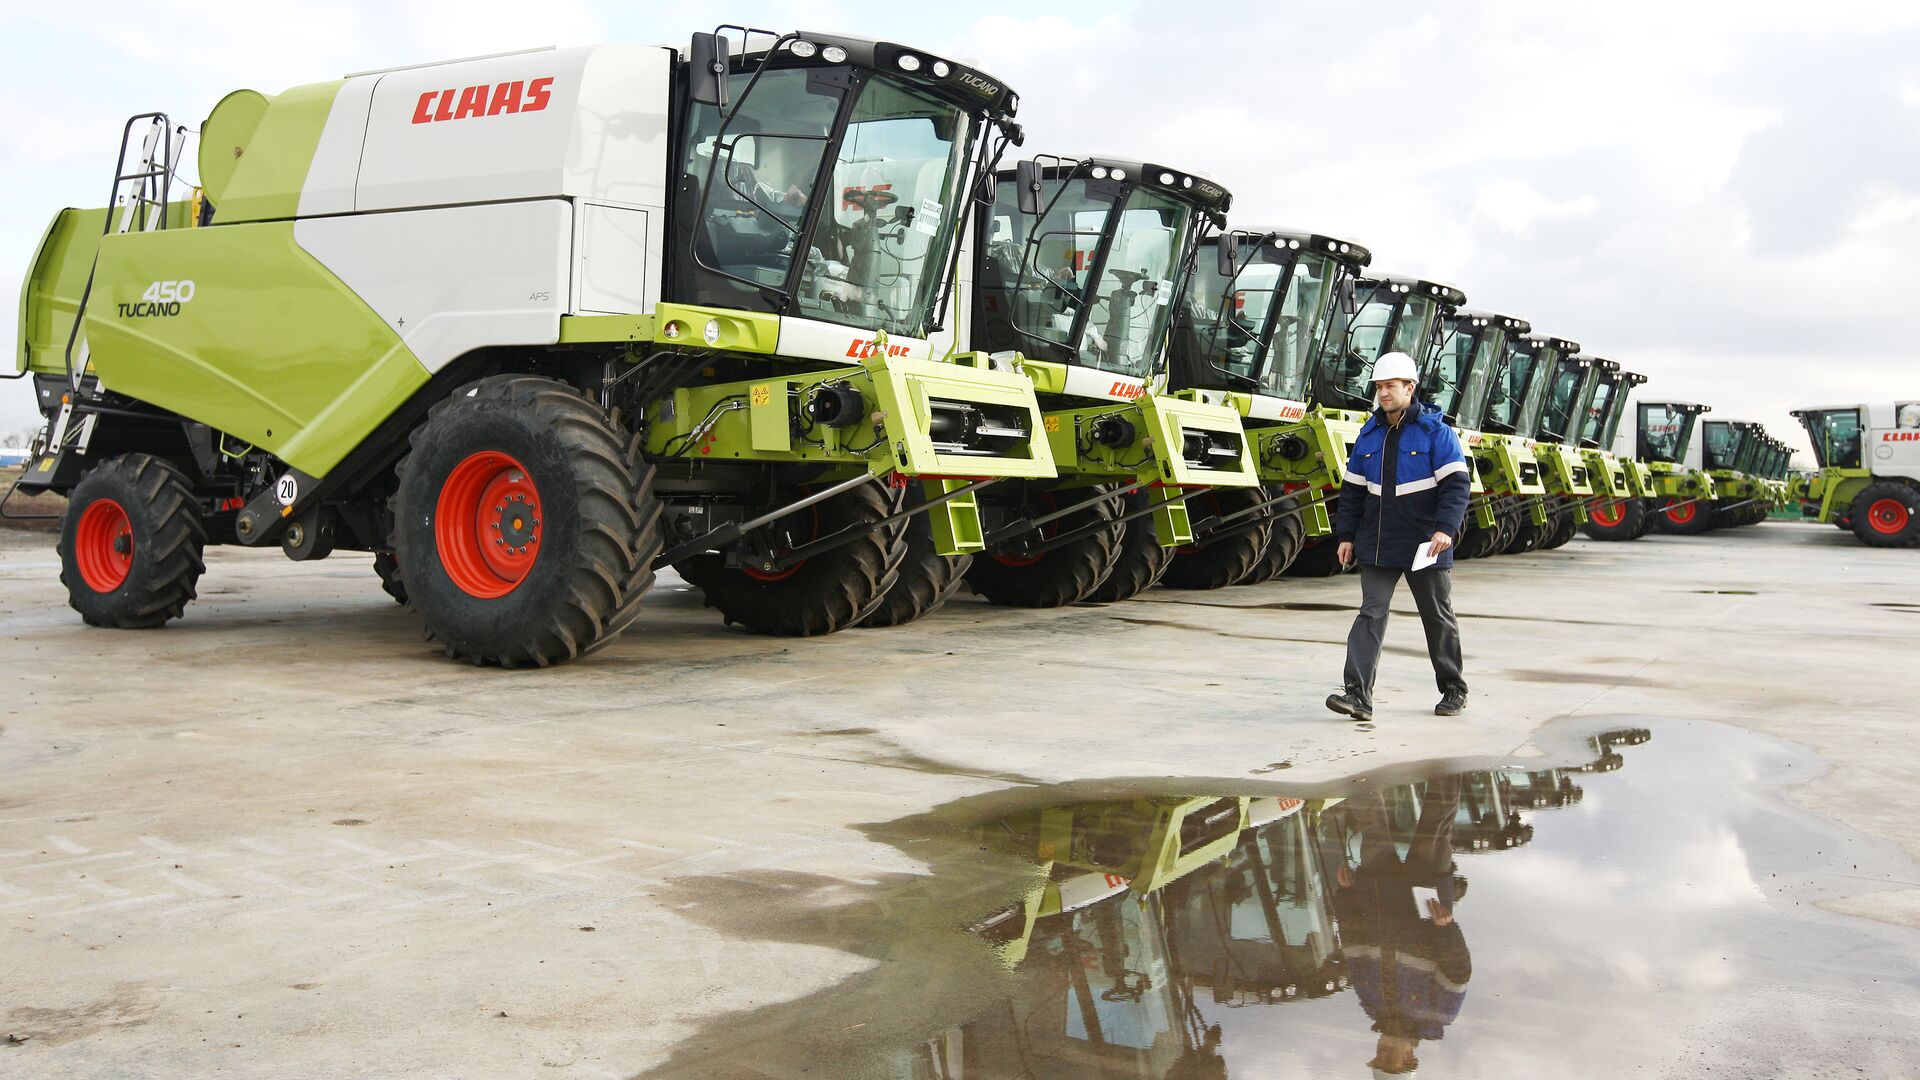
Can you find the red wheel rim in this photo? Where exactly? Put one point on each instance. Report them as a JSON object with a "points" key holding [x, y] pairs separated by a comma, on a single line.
{"points": [[1608, 513], [1888, 517], [1682, 514], [103, 546], [487, 525]]}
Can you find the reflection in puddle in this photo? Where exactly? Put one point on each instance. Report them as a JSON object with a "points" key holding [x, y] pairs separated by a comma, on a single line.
{"points": [[1379, 927]]}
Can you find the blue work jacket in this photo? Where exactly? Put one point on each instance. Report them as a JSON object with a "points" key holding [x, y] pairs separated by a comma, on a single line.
{"points": [[1429, 488]]}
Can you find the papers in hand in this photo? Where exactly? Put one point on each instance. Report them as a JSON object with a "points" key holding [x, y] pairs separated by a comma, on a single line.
{"points": [[1422, 896], [1424, 556]]}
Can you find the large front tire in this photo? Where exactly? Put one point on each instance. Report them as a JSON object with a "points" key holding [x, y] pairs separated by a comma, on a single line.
{"points": [[1615, 519], [525, 526], [132, 544], [823, 594], [1140, 562], [926, 580], [1288, 536], [1683, 517], [1223, 560], [1065, 575]]}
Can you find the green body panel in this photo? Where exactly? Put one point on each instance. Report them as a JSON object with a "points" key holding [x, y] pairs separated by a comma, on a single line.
{"points": [[1639, 478], [1160, 422], [1327, 435], [1563, 470], [1607, 474], [682, 324], [1732, 486], [1140, 840], [957, 529], [50, 294], [272, 349], [1677, 481], [225, 136], [273, 167], [754, 421], [1830, 492]]}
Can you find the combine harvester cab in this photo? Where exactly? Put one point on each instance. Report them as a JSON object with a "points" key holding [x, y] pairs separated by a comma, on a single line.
{"points": [[1607, 474], [1623, 514], [1461, 376], [1732, 450], [1389, 313], [1683, 493], [527, 326], [1517, 399], [1868, 475], [1078, 267], [1252, 333], [1563, 466]]}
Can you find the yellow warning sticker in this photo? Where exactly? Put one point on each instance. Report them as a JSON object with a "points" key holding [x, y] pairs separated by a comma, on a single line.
{"points": [[762, 394], [1053, 423]]}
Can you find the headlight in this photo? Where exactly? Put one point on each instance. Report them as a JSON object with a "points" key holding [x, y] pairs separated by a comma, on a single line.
{"points": [[1099, 172], [833, 54], [712, 332], [940, 69], [1166, 178], [801, 49], [1119, 174], [908, 62]]}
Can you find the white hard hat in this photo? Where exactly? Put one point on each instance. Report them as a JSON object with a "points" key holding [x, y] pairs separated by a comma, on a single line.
{"points": [[1395, 365]]}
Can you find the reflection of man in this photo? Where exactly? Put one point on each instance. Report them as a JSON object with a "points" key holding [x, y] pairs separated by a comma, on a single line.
{"points": [[1407, 959]]}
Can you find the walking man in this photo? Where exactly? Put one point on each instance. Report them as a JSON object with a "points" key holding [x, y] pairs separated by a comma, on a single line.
{"points": [[1404, 492]]}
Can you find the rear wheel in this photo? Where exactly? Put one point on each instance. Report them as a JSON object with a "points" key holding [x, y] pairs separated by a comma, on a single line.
{"points": [[927, 578], [1615, 519], [525, 526], [1141, 559], [1063, 575], [1222, 560], [1887, 514], [819, 595], [131, 544]]}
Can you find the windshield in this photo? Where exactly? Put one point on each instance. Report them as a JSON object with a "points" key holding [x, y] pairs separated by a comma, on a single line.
{"points": [[1721, 443], [1561, 401], [871, 246], [1509, 391], [1835, 436], [1086, 282], [1663, 433], [1264, 324], [1387, 321], [1463, 368], [1595, 423], [1616, 407]]}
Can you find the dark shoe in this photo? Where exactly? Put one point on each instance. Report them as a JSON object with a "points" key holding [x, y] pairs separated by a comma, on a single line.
{"points": [[1453, 703], [1349, 703]]}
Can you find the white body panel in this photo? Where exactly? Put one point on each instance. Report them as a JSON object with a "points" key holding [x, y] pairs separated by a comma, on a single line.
{"points": [[330, 183], [1092, 382], [1274, 408], [454, 279], [815, 340]]}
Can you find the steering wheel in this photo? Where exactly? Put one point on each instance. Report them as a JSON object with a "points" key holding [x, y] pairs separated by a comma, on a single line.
{"points": [[870, 200]]}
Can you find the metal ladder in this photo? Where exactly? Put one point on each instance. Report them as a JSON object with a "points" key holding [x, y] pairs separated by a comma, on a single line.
{"points": [[140, 207]]}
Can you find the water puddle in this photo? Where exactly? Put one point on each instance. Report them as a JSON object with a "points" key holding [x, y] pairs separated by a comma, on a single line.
{"points": [[1650, 906]]}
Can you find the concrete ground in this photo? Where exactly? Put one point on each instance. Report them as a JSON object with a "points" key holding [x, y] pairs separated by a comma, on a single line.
{"points": [[285, 837]]}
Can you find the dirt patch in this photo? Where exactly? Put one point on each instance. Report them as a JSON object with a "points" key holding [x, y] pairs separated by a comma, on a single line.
{"points": [[130, 1005]]}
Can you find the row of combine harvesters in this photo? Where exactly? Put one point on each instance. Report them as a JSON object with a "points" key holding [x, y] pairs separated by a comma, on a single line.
{"points": [[768, 310]]}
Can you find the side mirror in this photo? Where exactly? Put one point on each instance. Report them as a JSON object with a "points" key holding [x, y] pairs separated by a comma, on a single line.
{"points": [[1349, 296], [707, 70], [1026, 175], [1229, 252]]}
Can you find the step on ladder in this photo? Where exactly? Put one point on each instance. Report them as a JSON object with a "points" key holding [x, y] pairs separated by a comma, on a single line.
{"points": [[137, 203]]}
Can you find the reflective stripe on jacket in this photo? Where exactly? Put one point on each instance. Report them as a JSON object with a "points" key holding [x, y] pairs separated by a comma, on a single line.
{"points": [[1429, 495]]}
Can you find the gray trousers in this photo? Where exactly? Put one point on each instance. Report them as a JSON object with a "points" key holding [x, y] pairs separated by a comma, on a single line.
{"points": [[1432, 590]]}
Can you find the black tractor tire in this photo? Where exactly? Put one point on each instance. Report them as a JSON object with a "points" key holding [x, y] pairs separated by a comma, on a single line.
{"points": [[1646, 518], [391, 581], [1506, 528], [1615, 519], [515, 456], [1561, 527], [927, 578], [1887, 514], [1476, 542], [821, 595], [1065, 575], [1318, 559], [132, 544], [1141, 561], [1218, 562], [1689, 519], [1284, 541], [1526, 536]]}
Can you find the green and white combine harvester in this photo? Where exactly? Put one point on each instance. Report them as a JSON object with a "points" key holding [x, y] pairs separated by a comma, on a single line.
{"points": [[530, 326], [1461, 378], [1530, 479], [1620, 515], [1252, 333], [1078, 268], [1683, 492], [1868, 478], [1730, 451]]}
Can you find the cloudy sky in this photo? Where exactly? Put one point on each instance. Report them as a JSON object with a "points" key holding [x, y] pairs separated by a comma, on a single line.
{"points": [[1723, 196]]}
